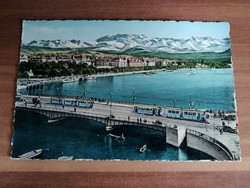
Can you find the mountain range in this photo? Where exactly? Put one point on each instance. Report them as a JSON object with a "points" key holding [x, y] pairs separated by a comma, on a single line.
{"points": [[126, 42]]}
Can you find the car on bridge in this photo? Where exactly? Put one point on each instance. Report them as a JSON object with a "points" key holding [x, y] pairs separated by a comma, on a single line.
{"points": [[157, 122], [229, 130]]}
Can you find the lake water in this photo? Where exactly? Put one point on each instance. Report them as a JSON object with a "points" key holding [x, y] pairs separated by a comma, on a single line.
{"points": [[85, 139], [209, 89]]}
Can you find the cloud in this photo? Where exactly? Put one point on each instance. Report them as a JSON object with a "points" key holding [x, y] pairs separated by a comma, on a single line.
{"points": [[43, 33], [45, 30]]}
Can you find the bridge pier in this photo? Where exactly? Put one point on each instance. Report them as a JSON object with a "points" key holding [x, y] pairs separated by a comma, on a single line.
{"points": [[175, 135]]}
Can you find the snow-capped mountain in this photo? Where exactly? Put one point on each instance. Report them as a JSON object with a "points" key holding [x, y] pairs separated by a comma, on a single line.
{"points": [[122, 42], [59, 43]]}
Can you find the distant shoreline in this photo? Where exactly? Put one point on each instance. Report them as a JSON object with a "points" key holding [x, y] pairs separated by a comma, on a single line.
{"points": [[125, 73], [100, 75]]}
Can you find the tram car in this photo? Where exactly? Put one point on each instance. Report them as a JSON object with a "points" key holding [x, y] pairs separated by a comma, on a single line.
{"points": [[57, 101], [147, 110], [72, 102], [186, 114], [69, 102], [177, 113], [85, 103]]}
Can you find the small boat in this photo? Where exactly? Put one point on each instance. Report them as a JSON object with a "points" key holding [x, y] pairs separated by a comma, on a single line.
{"points": [[190, 72], [150, 72], [89, 77], [70, 79], [31, 154], [143, 148], [66, 158], [117, 137], [54, 81], [55, 120], [169, 70]]}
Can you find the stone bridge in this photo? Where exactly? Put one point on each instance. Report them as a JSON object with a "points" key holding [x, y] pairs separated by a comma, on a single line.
{"points": [[111, 123]]}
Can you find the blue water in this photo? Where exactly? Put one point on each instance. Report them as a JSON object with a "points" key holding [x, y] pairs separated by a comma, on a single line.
{"points": [[85, 139], [209, 89]]}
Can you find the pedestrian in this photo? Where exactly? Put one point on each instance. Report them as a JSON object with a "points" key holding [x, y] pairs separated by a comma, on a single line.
{"points": [[128, 118], [221, 131], [74, 109], [140, 120]]}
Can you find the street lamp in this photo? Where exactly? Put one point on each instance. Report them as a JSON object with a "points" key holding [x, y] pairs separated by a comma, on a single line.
{"points": [[133, 97], [84, 92], [190, 100], [214, 130], [174, 102], [110, 102]]}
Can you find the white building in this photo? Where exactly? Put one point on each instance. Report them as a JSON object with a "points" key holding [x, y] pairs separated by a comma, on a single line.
{"points": [[23, 58]]}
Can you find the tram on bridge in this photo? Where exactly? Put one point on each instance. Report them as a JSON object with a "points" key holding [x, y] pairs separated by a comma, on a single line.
{"points": [[84, 103], [177, 113]]}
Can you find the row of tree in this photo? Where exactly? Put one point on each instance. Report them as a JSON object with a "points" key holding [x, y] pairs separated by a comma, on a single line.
{"points": [[52, 69]]}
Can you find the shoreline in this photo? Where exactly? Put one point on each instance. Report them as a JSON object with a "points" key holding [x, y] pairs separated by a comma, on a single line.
{"points": [[92, 76], [125, 73]]}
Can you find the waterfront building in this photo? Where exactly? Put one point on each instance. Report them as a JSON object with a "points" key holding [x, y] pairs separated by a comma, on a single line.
{"points": [[23, 58], [35, 58], [50, 58], [169, 61], [149, 62], [110, 62], [78, 58], [65, 59], [159, 63], [123, 62], [136, 62]]}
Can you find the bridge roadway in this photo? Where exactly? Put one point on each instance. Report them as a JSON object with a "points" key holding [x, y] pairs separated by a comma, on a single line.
{"points": [[125, 112]]}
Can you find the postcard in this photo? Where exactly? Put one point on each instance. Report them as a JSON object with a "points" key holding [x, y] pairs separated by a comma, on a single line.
{"points": [[125, 90]]}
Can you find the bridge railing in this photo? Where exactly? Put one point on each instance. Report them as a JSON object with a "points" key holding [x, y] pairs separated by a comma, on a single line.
{"points": [[63, 110], [90, 114], [210, 139], [95, 99]]}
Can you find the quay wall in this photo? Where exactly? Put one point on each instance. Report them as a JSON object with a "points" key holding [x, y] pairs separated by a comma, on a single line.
{"points": [[201, 144]]}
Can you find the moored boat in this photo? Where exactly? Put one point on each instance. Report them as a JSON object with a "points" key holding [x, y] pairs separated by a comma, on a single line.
{"points": [[150, 72], [53, 81], [190, 72], [89, 77], [31, 154], [67, 158], [68, 80]]}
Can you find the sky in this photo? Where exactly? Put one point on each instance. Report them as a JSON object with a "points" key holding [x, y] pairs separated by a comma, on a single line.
{"points": [[89, 31]]}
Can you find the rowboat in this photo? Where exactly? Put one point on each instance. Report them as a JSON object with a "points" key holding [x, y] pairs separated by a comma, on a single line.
{"points": [[117, 137], [31, 154], [143, 148], [67, 158]]}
